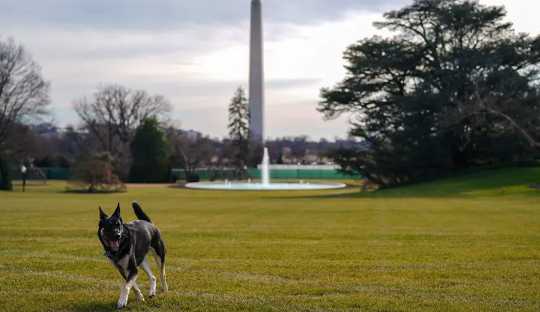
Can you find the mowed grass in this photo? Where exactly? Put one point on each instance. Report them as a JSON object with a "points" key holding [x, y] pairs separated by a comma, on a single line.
{"points": [[463, 244]]}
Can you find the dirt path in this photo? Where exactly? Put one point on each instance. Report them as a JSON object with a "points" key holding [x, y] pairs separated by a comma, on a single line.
{"points": [[149, 185]]}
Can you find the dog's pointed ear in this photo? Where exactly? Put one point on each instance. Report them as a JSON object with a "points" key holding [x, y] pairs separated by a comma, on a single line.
{"points": [[117, 211], [102, 215]]}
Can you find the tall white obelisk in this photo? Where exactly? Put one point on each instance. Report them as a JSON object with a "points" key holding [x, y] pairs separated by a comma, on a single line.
{"points": [[256, 75]]}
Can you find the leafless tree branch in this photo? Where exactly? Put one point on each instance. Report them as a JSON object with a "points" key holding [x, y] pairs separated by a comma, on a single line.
{"points": [[115, 111], [24, 94]]}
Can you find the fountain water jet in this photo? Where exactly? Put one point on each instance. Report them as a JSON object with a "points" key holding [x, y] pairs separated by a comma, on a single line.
{"points": [[265, 168]]}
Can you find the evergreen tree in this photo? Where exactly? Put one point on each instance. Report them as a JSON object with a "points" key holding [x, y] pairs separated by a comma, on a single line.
{"points": [[150, 152], [454, 88], [239, 130]]}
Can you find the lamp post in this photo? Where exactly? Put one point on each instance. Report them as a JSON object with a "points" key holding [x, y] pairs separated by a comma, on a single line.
{"points": [[24, 171]]}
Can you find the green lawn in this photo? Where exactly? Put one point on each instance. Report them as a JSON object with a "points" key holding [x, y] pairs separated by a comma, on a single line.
{"points": [[463, 244]]}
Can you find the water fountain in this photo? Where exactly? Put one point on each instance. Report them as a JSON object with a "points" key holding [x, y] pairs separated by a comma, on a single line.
{"points": [[265, 184], [256, 108]]}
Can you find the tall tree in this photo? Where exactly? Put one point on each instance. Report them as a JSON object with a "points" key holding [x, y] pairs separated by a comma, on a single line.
{"points": [[239, 130], [24, 94], [454, 85], [113, 114], [150, 153]]}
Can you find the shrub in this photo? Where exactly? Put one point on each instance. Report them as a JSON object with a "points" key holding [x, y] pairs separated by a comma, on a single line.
{"points": [[95, 174]]}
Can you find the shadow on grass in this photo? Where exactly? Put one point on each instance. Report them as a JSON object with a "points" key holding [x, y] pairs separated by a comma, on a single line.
{"points": [[96, 307], [104, 306], [97, 191]]}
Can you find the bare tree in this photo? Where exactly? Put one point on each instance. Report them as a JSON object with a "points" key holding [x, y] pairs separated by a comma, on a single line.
{"points": [[24, 94], [115, 111], [190, 153], [113, 114]]}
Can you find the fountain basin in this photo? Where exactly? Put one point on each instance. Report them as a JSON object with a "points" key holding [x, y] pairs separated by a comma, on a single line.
{"points": [[265, 187], [265, 184]]}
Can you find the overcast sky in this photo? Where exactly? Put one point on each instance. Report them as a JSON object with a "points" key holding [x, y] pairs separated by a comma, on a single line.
{"points": [[196, 52]]}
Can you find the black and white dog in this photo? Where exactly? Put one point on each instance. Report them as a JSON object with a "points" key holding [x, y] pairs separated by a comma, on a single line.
{"points": [[127, 245]]}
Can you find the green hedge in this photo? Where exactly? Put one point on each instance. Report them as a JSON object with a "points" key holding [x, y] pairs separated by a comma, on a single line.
{"points": [[281, 174], [53, 173]]}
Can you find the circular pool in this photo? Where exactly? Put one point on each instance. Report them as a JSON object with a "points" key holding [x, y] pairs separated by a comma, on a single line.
{"points": [[229, 186]]}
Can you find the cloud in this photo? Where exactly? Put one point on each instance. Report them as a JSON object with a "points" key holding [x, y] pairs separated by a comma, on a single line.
{"points": [[174, 14], [519, 13]]}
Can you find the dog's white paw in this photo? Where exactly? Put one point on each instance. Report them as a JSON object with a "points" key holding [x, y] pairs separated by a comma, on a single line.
{"points": [[140, 297], [122, 303], [153, 286], [152, 292]]}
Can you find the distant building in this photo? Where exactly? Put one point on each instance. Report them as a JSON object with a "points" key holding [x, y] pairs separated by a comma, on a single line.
{"points": [[46, 130], [192, 135]]}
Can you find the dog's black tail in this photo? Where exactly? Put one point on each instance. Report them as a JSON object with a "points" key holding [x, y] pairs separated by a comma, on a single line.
{"points": [[140, 213]]}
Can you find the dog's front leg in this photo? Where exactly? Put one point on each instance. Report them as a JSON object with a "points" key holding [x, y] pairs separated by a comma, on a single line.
{"points": [[124, 293], [131, 280], [138, 292]]}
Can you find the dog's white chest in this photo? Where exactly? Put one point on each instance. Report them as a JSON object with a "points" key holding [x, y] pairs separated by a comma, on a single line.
{"points": [[124, 262], [121, 264]]}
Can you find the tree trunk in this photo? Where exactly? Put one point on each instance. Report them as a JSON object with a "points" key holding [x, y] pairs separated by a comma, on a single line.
{"points": [[5, 178]]}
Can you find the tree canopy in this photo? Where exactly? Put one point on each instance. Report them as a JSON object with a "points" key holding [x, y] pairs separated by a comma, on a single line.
{"points": [[454, 87]]}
